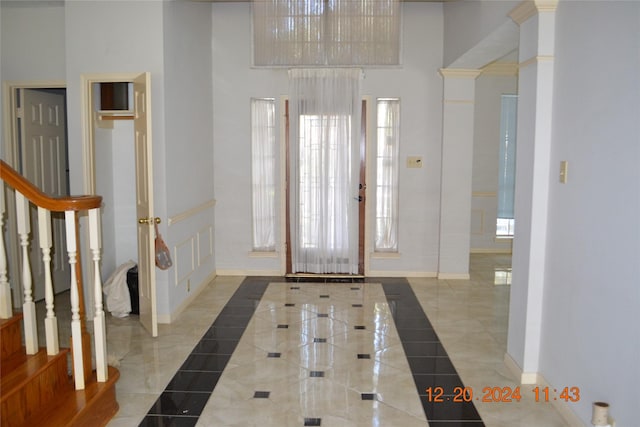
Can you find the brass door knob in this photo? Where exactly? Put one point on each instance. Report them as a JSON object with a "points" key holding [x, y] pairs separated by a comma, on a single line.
{"points": [[149, 221]]}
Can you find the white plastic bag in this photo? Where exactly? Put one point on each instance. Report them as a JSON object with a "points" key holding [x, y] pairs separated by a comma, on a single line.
{"points": [[117, 291]]}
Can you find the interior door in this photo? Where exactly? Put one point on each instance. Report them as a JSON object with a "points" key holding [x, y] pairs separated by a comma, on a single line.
{"points": [[144, 204], [43, 153]]}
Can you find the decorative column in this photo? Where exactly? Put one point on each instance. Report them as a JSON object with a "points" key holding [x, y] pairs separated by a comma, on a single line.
{"points": [[535, 98], [457, 162]]}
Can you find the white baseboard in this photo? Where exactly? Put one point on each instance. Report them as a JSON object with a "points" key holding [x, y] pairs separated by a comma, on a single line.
{"points": [[249, 272], [169, 318], [561, 406], [516, 371], [490, 251], [454, 276], [383, 273], [536, 378]]}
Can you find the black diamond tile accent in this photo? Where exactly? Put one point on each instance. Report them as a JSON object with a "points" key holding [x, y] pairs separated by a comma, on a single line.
{"points": [[428, 360], [283, 326], [319, 340], [323, 315], [356, 305], [152, 420], [364, 356], [359, 327], [316, 374], [223, 333], [205, 362], [190, 381], [324, 296], [424, 349], [312, 421], [180, 403], [431, 365], [261, 394], [187, 393], [206, 346], [355, 289], [448, 410], [448, 382], [274, 354], [294, 287], [369, 396], [289, 305], [453, 423]]}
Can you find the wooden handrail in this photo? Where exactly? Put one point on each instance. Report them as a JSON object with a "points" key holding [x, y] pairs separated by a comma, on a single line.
{"points": [[38, 198]]}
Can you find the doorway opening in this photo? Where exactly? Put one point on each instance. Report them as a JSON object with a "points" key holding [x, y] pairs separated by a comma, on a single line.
{"points": [[311, 221], [116, 115], [36, 146]]}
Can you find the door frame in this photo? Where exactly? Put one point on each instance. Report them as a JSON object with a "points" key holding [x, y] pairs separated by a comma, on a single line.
{"points": [[88, 120], [10, 155], [364, 211]]}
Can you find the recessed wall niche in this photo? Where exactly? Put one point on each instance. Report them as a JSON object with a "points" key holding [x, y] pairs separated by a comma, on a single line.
{"points": [[113, 96]]}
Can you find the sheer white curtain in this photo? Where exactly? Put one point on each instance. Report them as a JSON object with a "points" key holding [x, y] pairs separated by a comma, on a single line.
{"points": [[387, 175], [326, 32], [263, 173], [324, 126]]}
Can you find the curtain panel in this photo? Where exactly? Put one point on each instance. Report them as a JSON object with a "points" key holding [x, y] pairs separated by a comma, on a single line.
{"points": [[326, 32], [325, 109]]}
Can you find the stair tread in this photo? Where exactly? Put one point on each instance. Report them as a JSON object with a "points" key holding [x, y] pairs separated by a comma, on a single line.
{"points": [[10, 336], [21, 367], [69, 404], [6, 322]]}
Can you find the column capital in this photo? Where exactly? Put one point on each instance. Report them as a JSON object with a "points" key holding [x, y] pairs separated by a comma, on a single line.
{"points": [[529, 8], [459, 73]]}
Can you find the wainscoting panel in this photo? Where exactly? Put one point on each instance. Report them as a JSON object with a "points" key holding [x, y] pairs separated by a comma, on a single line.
{"points": [[184, 259], [205, 244]]}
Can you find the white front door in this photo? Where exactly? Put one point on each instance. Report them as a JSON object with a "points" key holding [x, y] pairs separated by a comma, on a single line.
{"points": [[144, 203], [44, 163]]}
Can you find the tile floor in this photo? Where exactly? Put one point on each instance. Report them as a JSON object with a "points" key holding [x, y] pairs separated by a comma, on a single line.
{"points": [[260, 351]]}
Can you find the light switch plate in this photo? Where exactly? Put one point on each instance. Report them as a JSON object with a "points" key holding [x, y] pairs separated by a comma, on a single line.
{"points": [[414, 162]]}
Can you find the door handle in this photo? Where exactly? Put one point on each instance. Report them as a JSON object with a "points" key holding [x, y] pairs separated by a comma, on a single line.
{"points": [[149, 221], [359, 198]]}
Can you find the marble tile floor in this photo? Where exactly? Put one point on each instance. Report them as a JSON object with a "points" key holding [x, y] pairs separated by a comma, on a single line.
{"points": [[469, 319]]}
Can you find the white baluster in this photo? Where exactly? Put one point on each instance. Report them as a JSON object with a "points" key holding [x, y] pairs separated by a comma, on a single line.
{"points": [[76, 330], [6, 308], [28, 306], [50, 321], [99, 327]]}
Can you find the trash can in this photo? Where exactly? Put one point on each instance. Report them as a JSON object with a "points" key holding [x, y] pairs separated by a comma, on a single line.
{"points": [[132, 284]]}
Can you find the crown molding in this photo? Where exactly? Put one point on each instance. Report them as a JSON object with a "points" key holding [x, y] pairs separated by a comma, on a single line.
{"points": [[501, 69], [529, 8]]}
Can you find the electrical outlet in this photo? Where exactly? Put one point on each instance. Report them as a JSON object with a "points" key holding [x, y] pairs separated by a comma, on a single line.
{"points": [[564, 169]]}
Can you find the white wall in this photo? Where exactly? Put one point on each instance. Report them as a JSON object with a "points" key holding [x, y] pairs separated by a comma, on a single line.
{"points": [[116, 169], [37, 28], [418, 85], [486, 145], [234, 84], [64, 40], [468, 22], [188, 161], [590, 333]]}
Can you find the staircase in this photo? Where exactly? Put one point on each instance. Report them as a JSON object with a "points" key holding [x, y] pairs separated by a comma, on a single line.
{"points": [[36, 387]]}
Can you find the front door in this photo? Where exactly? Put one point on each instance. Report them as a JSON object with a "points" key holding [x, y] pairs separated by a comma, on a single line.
{"points": [[43, 154], [321, 193], [144, 203]]}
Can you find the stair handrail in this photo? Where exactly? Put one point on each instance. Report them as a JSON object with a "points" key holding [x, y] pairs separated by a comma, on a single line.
{"points": [[38, 198], [71, 205]]}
